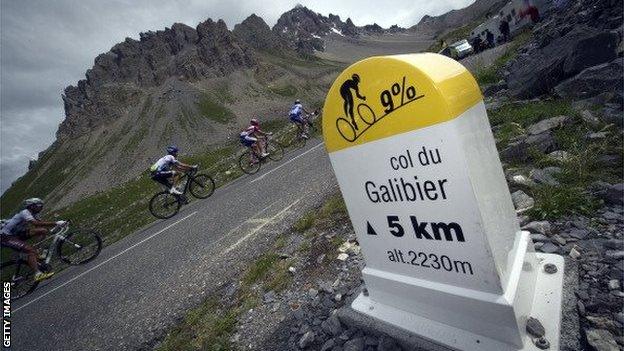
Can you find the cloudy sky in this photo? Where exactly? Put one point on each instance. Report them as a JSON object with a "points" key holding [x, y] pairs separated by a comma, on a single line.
{"points": [[48, 45]]}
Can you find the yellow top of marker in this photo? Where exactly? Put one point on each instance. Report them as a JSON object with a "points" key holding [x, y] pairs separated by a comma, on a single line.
{"points": [[386, 95]]}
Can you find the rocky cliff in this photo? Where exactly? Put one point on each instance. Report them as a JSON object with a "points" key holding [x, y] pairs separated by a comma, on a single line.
{"points": [[117, 76], [194, 87]]}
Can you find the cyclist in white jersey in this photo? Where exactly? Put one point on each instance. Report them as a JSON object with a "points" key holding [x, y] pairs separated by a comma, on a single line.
{"points": [[166, 170]]}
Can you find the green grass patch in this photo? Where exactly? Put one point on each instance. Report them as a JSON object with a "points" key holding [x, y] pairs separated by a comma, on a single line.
{"points": [[280, 278], [553, 202], [487, 75], [507, 132], [332, 211], [222, 92], [260, 269], [136, 139], [527, 113], [491, 74], [287, 90], [214, 110], [208, 327], [37, 182]]}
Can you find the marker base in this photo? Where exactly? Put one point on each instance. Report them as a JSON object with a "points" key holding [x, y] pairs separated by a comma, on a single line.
{"points": [[426, 334]]}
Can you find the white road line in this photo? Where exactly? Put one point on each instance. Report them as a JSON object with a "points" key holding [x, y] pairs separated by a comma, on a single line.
{"points": [[284, 164], [256, 229], [248, 221], [106, 261]]}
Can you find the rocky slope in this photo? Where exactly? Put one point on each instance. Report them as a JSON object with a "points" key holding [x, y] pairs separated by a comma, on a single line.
{"points": [[306, 31], [435, 25], [585, 37]]}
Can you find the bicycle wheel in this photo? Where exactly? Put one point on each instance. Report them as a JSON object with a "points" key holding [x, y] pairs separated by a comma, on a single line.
{"points": [[247, 165], [202, 186], [276, 151], [312, 128], [21, 277], [164, 205], [297, 140], [79, 246]]}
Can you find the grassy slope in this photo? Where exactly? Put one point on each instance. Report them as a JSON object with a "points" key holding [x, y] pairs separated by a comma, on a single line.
{"points": [[583, 166], [59, 168]]}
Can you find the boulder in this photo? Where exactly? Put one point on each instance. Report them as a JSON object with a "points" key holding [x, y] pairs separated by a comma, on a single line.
{"points": [[548, 124], [522, 201], [611, 194], [545, 176], [559, 155], [594, 81], [519, 149], [601, 340], [492, 89], [332, 326], [307, 339], [538, 71], [535, 327], [590, 119], [520, 179], [356, 344], [540, 227], [613, 113]]}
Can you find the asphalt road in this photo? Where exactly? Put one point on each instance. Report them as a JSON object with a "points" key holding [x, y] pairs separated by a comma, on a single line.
{"points": [[140, 286]]}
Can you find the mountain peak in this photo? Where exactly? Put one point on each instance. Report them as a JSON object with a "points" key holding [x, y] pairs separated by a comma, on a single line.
{"points": [[256, 33]]}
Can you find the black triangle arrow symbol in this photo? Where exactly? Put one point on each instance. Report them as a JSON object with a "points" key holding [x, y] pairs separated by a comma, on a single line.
{"points": [[369, 229]]}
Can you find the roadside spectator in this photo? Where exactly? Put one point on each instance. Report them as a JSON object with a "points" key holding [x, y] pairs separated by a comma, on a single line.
{"points": [[531, 11], [476, 44], [504, 29], [489, 37]]}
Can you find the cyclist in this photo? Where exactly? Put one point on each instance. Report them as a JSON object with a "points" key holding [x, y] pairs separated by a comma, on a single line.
{"points": [[23, 226], [249, 137], [165, 170], [296, 117]]}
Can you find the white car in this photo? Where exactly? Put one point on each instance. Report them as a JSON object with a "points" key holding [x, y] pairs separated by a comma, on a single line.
{"points": [[463, 48]]}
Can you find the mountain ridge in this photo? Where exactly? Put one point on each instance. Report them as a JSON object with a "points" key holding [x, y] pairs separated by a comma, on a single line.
{"points": [[184, 85]]}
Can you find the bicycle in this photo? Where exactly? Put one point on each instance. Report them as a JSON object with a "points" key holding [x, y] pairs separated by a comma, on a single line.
{"points": [[299, 140], [165, 205], [250, 162], [75, 247]]}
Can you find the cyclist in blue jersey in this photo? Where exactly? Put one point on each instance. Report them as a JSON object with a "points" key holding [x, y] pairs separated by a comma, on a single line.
{"points": [[296, 116]]}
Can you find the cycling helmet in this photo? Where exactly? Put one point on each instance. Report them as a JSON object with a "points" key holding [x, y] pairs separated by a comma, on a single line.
{"points": [[356, 77], [33, 201], [254, 122], [172, 149], [297, 101]]}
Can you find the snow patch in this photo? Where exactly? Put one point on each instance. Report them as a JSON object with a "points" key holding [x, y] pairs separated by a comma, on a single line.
{"points": [[337, 31]]}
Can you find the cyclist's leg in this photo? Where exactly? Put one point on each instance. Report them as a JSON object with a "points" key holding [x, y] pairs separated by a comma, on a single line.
{"points": [[163, 178], [253, 143], [21, 246], [303, 126]]}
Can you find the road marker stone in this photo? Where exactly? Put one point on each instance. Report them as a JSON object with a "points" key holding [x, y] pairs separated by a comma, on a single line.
{"points": [[411, 146]]}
